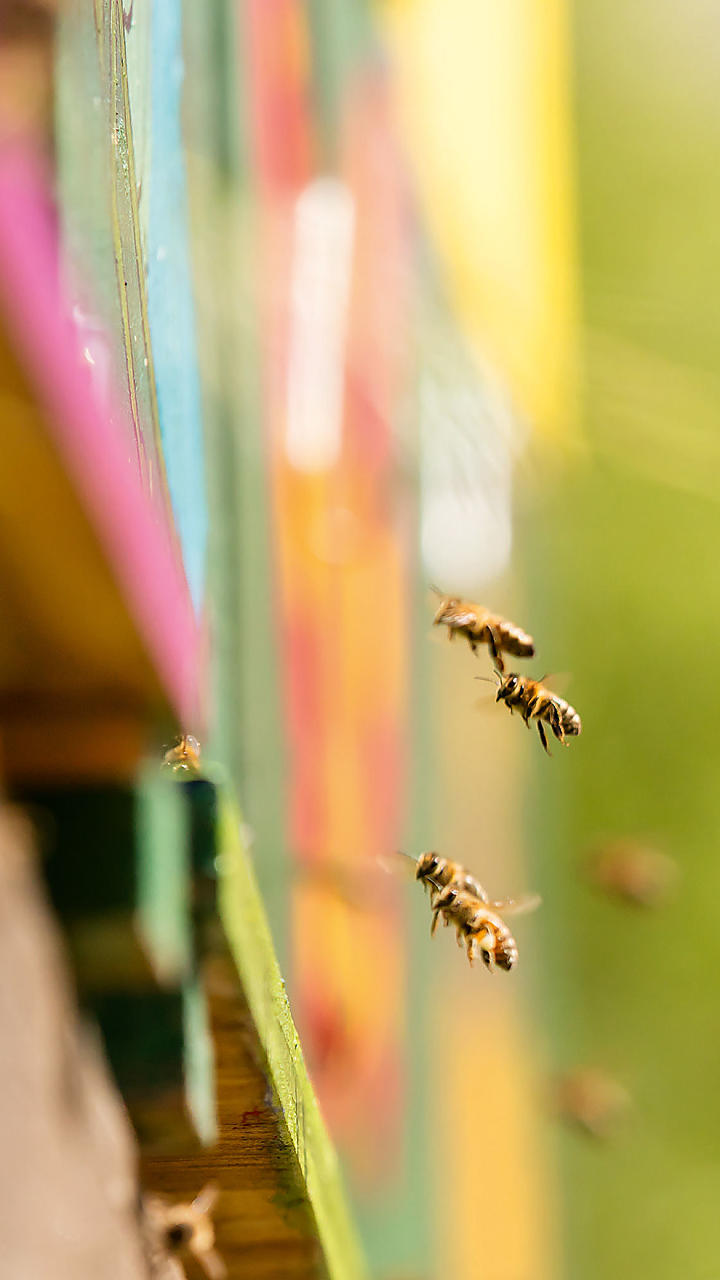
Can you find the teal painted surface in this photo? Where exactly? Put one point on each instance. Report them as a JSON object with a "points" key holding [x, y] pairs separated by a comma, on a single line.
{"points": [[247, 727], [171, 306]]}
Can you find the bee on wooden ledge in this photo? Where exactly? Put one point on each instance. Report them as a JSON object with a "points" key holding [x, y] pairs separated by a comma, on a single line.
{"points": [[183, 756]]}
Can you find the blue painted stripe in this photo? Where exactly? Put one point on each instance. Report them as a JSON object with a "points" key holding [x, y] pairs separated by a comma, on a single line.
{"points": [[171, 311]]}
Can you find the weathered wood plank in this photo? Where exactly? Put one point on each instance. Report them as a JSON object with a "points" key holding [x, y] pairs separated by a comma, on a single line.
{"points": [[282, 1209]]}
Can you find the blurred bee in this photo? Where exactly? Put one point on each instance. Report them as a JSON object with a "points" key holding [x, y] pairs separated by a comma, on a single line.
{"points": [[480, 626], [184, 756], [535, 702], [634, 873], [173, 1228], [591, 1101]]}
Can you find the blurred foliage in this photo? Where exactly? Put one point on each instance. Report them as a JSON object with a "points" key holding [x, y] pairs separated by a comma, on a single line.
{"points": [[619, 558]]}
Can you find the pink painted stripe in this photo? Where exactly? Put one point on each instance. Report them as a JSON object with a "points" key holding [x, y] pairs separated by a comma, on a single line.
{"points": [[133, 533]]}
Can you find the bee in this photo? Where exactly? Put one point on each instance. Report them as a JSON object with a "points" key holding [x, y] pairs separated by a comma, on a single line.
{"points": [[436, 873], [458, 898], [184, 756], [478, 924], [634, 873], [590, 1100], [173, 1228], [480, 626], [535, 702]]}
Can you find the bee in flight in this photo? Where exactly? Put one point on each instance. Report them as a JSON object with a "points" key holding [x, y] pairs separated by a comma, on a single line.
{"points": [[458, 898], [479, 924], [436, 873], [480, 626], [535, 702], [184, 756]]}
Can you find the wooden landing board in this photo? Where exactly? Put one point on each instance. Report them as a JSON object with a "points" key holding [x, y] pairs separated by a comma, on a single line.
{"points": [[282, 1210]]}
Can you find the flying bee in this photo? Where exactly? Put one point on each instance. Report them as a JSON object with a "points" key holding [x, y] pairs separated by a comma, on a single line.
{"points": [[184, 756], [634, 873], [480, 626], [535, 702], [591, 1100], [173, 1228], [478, 924], [436, 873], [459, 899], [439, 874]]}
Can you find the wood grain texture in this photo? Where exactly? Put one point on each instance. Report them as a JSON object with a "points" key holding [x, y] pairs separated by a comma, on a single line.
{"points": [[282, 1209]]}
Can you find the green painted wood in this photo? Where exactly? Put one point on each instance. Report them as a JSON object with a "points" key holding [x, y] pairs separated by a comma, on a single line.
{"points": [[100, 220], [163, 840], [342, 41], [251, 946], [247, 729]]}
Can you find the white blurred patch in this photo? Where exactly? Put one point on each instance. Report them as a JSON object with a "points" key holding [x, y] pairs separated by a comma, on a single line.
{"points": [[320, 295], [95, 347], [468, 438]]}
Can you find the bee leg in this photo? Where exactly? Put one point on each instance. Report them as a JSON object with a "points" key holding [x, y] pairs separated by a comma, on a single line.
{"points": [[543, 739], [495, 651], [435, 918], [470, 945], [487, 951]]}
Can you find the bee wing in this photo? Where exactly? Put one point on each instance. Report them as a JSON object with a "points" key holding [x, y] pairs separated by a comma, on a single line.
{"points": [[516, 906], [398, 863], [206, 1199], [462, 619], [556, 681], [485, 704], [355, 887]]}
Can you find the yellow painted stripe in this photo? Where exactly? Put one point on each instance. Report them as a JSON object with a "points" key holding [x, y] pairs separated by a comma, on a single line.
{"points": [[484, 93], [494, 1186]]}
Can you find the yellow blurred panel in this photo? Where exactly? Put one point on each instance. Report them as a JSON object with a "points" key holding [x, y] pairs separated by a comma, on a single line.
{"points": [[485, 109], [486, 1133]]}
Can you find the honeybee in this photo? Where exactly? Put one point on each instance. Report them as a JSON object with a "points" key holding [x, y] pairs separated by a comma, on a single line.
{"points": [[535, 702], [480, 626], [591, 1100], [634, 873], [458, 898], [478, 925], [436, 873], [184, 756], [173, 1228]]}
